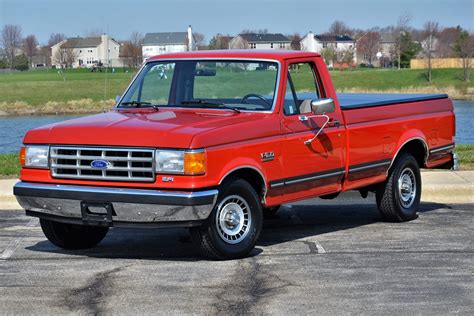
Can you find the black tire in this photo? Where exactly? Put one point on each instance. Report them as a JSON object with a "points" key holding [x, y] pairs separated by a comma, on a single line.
{"points": [[270, 212], [69, 236], [400, 203], [212, 238]]}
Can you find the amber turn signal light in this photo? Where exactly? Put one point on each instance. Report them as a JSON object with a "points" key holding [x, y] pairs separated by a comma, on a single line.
{"points": [[22, 156], [194, 163]]}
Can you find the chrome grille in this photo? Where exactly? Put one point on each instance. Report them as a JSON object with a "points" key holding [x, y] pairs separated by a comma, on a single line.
{"points": [[125, 164]]}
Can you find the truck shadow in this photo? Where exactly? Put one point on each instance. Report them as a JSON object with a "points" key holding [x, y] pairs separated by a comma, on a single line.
{"points": [[290, 223]]}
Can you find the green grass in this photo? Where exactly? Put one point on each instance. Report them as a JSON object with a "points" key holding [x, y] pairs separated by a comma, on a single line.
{"points": [[465, 156], [45, 91], [10, 165]]}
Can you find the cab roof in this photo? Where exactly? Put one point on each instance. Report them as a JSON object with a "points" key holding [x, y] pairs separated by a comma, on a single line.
{"points": [[279, 55]]}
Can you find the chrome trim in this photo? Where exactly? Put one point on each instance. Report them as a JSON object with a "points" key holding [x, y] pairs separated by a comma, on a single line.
{"points": [[379, 164], [265, 183], [406, 142], [322, 176], [442, 149], [54, 156], [277, 84], [130, 205]]}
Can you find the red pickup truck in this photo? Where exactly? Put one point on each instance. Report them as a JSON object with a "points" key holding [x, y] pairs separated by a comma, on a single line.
{"points": [[214, 140]]}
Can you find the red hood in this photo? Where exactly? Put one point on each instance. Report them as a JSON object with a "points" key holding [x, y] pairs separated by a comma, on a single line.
{"points": [[170, 128]]}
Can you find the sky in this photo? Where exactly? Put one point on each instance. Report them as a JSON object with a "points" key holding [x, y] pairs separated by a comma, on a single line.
{"points": [[121, 18]]}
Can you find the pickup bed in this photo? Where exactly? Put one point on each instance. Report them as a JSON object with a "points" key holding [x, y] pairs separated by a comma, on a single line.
{"points": [[216, 140]]}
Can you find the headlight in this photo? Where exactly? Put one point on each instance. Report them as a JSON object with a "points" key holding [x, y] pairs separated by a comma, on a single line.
{"points": [[192, 162], [34, 156]]}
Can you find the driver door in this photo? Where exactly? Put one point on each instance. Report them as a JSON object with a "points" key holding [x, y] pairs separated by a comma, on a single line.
{"points": [[316, 168]]}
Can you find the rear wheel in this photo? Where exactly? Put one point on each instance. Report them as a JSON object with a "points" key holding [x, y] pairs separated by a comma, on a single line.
{"points": [[398, 199], [234, 225], [70, 236]]}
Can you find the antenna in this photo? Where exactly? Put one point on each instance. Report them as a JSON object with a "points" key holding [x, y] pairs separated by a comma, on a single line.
{"points": [[107, 66]]}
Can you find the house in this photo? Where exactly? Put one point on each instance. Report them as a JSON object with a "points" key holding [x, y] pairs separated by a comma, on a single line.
{"points": [[260, 41], [340, 44], [86, 52], [167, 42], [316, 43]]}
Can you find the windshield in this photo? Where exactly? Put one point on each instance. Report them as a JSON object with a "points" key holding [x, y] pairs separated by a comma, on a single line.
{"points": [[236, 84]]}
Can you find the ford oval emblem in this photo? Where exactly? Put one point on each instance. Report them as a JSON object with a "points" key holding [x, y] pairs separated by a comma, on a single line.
{"points": [[100, 164]]}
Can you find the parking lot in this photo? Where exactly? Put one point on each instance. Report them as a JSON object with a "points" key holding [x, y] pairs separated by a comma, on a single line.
{"points": [[319, 256]]}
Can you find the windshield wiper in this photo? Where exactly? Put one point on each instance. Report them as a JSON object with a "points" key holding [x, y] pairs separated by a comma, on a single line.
{"points": [[210, 104], [136, 103]]}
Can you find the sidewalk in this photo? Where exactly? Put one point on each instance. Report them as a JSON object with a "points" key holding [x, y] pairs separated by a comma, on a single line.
{"points": [[438, 187]]}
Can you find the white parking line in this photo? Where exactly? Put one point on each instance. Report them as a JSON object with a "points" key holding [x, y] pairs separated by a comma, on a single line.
{"points": [[13, 245]]}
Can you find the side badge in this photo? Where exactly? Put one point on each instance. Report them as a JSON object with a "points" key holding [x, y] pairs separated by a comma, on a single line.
{"points": [[267, 156]]}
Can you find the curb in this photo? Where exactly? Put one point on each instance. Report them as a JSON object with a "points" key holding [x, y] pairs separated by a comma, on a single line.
{"points": [[452, 187]]}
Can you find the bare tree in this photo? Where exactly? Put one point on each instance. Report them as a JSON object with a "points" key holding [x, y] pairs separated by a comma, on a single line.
{"points": [[65, 57], [402, 27], [30, 44], [250, 31], [55, 38], [11, 41], [447, 38], [329, 55], [339, 28], [199, 38], [430, 31], [95, 32], [220, 41], [464, 48], [132, 50], [368, 45], [295, 41]]}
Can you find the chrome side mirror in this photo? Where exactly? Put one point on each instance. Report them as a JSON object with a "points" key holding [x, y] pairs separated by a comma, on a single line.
{"points": [[322, 106]]}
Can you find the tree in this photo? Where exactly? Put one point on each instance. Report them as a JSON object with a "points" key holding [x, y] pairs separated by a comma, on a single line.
{"points": [[430, 31], [295, 41], [93, 32], [402, 27], [55, 38], [11, 42], [65, 57], [29, 47], [199, 38], [220, 41], [447, 38], [464, 48], [329, 55], [132, 50], [339, 28], [407, 50], [369, 45]]}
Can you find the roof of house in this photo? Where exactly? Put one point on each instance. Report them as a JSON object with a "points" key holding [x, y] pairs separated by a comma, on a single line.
{"points": [[334, 38], [78, 42], [265, 38], [165, 38]]}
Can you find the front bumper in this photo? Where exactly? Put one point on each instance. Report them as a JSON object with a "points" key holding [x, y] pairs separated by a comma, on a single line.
{"points": [[122, 206]]}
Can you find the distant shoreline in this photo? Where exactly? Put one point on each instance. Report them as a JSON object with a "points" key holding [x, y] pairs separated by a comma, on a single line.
{"points": [[87, 106]]}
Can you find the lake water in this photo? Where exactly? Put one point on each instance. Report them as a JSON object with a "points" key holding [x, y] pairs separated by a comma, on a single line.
{"points": [[13, 128]]}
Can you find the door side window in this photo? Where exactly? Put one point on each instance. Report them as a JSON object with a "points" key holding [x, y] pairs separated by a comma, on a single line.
{"points": [[301, 88]]}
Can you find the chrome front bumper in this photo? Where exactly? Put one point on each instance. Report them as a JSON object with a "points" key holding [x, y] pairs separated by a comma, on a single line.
{"points": [[117, 206]]}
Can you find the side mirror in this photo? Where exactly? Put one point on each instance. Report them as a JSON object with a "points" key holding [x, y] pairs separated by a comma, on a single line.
{"points": [[322, 106]]}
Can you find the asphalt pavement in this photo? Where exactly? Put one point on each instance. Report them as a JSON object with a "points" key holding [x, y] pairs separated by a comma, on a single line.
{"points": [[314, 257]]}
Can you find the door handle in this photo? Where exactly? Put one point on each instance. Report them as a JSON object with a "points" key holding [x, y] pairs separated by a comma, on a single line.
{"points": [[334, 123]]}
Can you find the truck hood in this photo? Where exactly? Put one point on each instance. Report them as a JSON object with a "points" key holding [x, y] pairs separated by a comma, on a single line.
{"points": [[166, 128]]}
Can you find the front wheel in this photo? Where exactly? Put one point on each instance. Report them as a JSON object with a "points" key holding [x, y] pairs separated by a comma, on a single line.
{"points": [[70, 236], [398, 199], [234, 225]]}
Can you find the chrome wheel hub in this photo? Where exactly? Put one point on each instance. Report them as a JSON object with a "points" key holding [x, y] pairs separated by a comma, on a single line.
{"points": [[407, 187], [233, 219]]}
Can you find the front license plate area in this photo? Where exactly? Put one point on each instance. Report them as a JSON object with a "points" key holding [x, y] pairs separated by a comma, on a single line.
{"points": [[97, 213]]}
